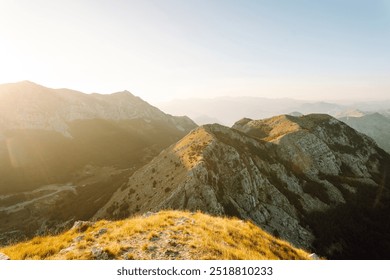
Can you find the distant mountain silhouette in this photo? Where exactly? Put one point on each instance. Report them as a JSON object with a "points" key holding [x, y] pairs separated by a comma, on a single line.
{"points": [[375, 125], [227, 110], [82, 145]]}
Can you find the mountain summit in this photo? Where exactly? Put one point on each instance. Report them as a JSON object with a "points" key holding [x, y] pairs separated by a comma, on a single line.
{"points": [[27, 105], [311, 180]]}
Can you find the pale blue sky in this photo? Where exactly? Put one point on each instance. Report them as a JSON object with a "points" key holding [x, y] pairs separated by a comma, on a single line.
{"points": [[165, 49]]}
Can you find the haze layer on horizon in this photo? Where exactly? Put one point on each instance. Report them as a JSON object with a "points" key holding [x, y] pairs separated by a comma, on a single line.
{"points": [[162, 50]]}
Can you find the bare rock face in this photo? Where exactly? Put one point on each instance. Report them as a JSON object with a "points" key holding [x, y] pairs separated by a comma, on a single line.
{"points": [[286, 174], [308, 153], [99, 254], [81, 226]]}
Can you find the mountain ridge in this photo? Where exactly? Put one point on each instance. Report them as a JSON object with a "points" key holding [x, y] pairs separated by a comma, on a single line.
{"points": [[309, 179], [38, 107], [278, 178], [227, 110], [165, 235]]}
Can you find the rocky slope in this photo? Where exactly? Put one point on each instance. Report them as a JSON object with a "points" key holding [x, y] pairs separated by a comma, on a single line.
{"points": [[311, 180], [63, 153], [375, 125], [164, 236]]}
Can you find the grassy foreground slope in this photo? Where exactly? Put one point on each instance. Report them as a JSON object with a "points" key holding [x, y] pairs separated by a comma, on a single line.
{"points": [[162, 235]]}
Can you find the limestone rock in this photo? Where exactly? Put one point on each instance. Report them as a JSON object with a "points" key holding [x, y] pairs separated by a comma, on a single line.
{"points": [[100, 232], [314, 256], [82, 226], [99, 254], [4, 257]]}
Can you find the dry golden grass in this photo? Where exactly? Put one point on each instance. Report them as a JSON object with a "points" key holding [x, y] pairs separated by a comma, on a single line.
{"points": [[193, 143], [164, 235], [278, 126], [39, 247]]}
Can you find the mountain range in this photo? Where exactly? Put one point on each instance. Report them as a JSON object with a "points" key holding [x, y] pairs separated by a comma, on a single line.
{"points": [[370, 117], [227, 110], [309, 179], [63, 153]]}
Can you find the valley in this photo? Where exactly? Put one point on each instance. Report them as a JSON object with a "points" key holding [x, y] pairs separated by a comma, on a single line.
{"points": [[45, 193], [64, 140]]}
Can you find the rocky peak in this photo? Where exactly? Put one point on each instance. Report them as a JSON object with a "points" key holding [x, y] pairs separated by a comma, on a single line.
{"points": [[26, 105], [276, 172]]}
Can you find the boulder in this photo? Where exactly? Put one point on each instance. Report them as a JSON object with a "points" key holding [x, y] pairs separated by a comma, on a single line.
{"points": [[82, 226]]}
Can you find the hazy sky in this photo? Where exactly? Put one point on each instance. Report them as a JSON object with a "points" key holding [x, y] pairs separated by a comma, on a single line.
{"points": [[164, 49]]}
